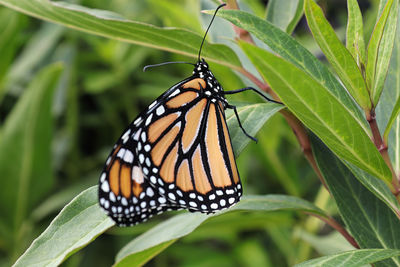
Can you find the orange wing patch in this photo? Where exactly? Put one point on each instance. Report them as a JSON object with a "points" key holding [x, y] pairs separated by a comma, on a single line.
{"points": [[125, 174], [167, 171], [161, 147], [230, 151], [138, 179], [184, 180], [182, 99], [195, 84], [193, 122], [159, 126], [114, 176], [200, 177], [219, 172]]}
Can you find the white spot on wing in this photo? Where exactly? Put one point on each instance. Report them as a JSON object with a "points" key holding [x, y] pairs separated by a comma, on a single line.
{"points": [[160, 110], [149, 192], [143, 137], [128, 157], [148, 120], [121, 153], [137, 174], [136, 136], [137, 121], [177, 91], [102, 177], [125, 137], [105, 187], [152, 104]]}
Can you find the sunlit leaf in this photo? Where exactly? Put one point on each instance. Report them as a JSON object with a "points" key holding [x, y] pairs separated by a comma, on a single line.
{"points": [[355, 33], [111, 25], [291, 50], [380, 49], [285, 14], [75, 226], [337, 54], [319, 111], [352, 258]]}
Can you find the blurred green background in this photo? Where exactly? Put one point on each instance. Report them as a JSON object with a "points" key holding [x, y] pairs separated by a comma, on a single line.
{"points": [[102, 87]]}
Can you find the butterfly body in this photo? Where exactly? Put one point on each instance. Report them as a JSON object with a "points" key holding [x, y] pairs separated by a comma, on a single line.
{"points": [[177, 154]]}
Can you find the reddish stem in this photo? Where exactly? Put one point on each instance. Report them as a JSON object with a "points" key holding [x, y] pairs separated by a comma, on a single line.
{"points": [[338, 227], [383, 149]]}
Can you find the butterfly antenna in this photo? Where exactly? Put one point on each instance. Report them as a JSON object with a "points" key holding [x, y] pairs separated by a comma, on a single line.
{"points": [[166, 63], [209, 25]]}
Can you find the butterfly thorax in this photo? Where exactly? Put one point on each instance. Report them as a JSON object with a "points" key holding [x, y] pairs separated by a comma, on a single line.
{"points": [[213, 89]]}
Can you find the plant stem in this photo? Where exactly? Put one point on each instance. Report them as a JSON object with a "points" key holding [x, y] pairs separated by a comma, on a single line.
{"points": [[338, 227], [383, 149]]}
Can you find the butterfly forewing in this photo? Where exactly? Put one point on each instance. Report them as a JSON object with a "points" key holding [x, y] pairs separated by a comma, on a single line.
{"points": [[177, 154], [187, 150]]}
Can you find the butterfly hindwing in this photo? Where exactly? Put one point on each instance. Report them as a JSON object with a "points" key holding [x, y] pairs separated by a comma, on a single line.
{"points": [[124, 192]]}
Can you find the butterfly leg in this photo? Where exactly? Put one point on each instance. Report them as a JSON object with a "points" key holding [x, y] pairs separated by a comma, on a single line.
{"points": [[240, 124], [253, 89]]}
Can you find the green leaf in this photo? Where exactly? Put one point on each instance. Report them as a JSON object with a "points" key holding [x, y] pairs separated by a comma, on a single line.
{"points": [[183, 224], [82, 220], [252, 117], [141, 258], [380, 48], [388, 106], [36, 50], [285, 14], [319, 111], [392, 119], [110, 25], [10, 25], [25, 164], [355, 33], [337, 54], [376, 186], [78, 224], [289, 49], [375, 225], [353, 258]]}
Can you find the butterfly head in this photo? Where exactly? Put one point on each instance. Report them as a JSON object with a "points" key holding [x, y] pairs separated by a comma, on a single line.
{"points": [[201, 70]]}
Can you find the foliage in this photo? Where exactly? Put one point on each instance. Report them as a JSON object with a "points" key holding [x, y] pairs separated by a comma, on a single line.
{"points": [[71, 80]]}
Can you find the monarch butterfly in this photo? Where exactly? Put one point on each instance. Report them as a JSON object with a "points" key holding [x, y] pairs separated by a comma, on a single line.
{"points": [[177, 154]]}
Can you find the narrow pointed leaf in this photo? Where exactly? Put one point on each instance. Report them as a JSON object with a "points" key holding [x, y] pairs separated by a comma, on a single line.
{"points": [[380, 49], [375, 225], [392, 119], [252, 117], [183, 224], [285, 14], [111, 25], [319, 111], [25, 161], [291, 50], [355, 33], [337, 54], [75, 226], [388, 105], [354, 258], [385, 52]]}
